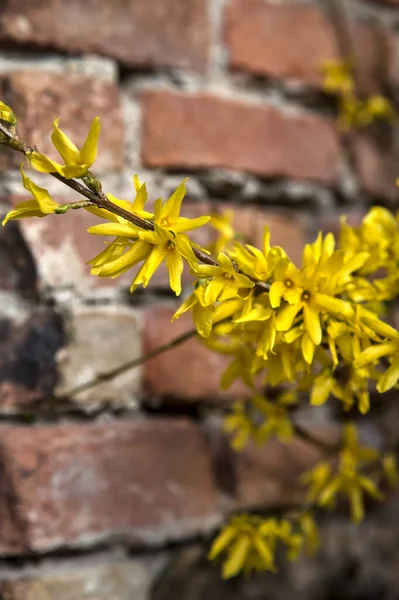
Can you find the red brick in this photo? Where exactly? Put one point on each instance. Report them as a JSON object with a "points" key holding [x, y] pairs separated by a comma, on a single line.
{"points": [[17, 267], [205, 131], [264, 476], [38, 97], [135, 32], [267, 476], [259, 36], [28, 347], [117, 581], [73, 485], [376, 168], [187, 373]]}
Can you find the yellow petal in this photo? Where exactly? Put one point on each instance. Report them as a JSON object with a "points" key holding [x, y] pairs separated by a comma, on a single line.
{"points": [[308, 348], [222, 541], [237, 557], [189, 224], [152, 263], [41, 163], [174, 264], [286, 316], [214, 289], [171, 208], [357, 507], [389, 378], [71, 171], [374, 353], [88, 154], [311, 319], [141, 195], [322, 388], [46, 203], [203, 319], [276, 293], [138, 252], [30, 208], [66, 148], [119, 229], [6, 114]]}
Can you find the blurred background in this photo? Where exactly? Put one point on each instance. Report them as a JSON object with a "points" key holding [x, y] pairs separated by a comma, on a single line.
{"points": [[114, 493]]}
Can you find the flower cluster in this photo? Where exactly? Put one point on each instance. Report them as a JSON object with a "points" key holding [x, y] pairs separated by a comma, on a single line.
{"points": [[327, 482], [250, 542], [314, 329], [354, 111]]}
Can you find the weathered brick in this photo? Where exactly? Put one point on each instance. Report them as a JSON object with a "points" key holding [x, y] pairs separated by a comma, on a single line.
{"points": [[189, 372], [259, 35], [119, 581], [63, 240], [264, 476], [28, 349], [205, 131], [376, 167], [38, 97], [101, 338], [135, 32], [76, 485], [17, 267]]}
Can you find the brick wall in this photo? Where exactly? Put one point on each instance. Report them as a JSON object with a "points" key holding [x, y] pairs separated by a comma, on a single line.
{"points": [[96, 488]]}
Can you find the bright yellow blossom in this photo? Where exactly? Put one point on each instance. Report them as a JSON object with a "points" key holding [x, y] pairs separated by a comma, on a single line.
{"points": [[164, 241], [41, 206], [224, 280], [6, 114], [77, 162], [347, 479], [338, 76], [222, 223], [251, 543]]}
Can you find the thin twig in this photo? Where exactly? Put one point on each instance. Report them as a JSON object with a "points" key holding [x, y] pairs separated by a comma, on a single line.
{"points": [[315, 441], [127, 366]]}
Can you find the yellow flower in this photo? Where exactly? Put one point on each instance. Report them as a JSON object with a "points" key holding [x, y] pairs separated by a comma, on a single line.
{"points": [[276, 416], [41, 206], [380, 107], [347, 480], [255, 263], [338, 77], [77, 162], [165, 241], [222, 223], [250, 544], [353, 112], [224, 280], [6, 114], [259, 420], [310, 533], [165, 245], [204, 316]]}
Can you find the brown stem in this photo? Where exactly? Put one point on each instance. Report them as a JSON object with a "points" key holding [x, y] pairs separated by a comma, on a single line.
{"points": [[127, 366], [315, 441], [100, 199]]}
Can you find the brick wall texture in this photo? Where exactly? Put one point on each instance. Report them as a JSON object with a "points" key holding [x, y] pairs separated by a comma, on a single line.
{"points": [[228, 93]]}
